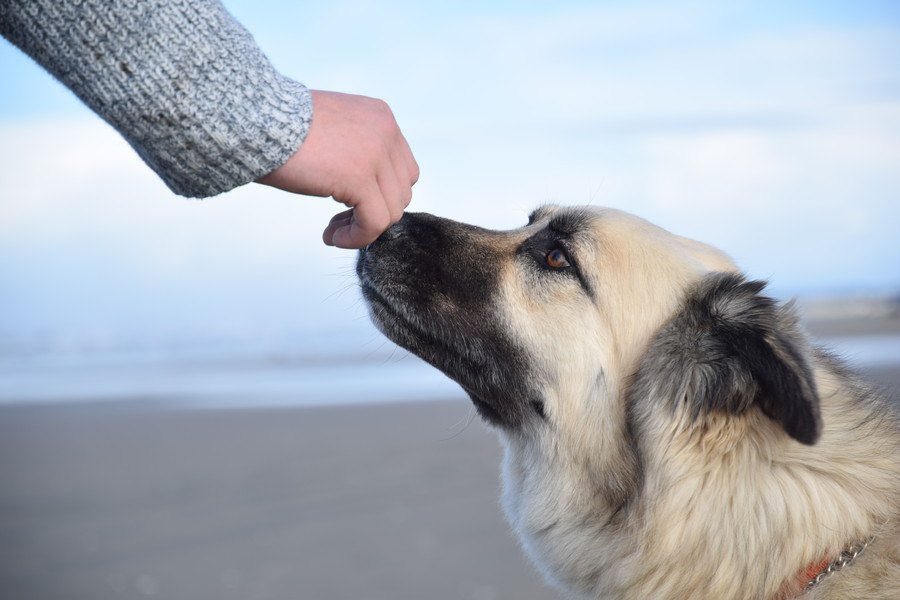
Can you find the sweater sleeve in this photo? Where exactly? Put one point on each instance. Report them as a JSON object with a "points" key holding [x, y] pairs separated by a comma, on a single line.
{"points": [[181, 80]]}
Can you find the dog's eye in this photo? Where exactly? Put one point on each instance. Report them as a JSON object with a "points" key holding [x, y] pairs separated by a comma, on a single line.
{"points": [[556, 259]]}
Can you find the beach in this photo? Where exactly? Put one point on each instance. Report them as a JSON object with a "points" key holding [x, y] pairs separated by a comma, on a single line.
{"points": [[138, 500], [152, 498]]}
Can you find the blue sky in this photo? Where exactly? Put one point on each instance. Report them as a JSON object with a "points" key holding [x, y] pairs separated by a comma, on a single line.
{"points": [[769, 129]]}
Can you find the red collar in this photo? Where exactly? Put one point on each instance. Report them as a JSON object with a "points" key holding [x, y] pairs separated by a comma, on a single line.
{"points": [[813, 573], [796, 585]]}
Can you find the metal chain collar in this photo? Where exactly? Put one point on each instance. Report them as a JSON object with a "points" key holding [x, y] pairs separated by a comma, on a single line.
{"points": [[847, 556]]}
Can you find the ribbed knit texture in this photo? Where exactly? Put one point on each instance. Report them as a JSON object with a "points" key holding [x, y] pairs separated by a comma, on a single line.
{"points": [[181, 80]]}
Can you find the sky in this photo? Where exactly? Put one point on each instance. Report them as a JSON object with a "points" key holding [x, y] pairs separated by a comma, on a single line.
{"points": [[768, 129]]}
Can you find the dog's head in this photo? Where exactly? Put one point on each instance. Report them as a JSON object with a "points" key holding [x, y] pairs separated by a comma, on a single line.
{"points": [[587, 315]]}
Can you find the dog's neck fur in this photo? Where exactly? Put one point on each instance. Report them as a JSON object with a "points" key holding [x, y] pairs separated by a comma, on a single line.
{"points": [[788, 504]]}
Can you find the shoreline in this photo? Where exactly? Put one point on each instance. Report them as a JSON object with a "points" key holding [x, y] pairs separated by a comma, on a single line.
{"points": [[277, 378]]}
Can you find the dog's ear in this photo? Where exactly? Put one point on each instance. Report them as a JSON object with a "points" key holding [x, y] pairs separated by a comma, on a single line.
{"points": [[730, 348]]}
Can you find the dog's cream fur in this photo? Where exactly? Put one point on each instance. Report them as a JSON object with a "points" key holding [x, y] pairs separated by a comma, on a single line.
{"points": [[619, 494]]}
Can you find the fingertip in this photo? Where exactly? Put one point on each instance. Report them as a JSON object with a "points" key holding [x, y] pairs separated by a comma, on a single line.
{"points": [[351, 237], [341, 237], [342, 219]]}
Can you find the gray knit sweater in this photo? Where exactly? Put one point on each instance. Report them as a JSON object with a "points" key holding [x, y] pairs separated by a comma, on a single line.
{"points": [[181, 80]]}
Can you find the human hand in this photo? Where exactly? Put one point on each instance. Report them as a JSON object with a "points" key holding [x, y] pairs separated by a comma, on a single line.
{"points": [[355, 153]]}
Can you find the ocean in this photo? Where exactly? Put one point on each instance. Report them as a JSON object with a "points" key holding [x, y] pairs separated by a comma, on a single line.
{"points": [[316, 369]]}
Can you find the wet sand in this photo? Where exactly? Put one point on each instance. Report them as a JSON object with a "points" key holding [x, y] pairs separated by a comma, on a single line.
{"points": [[137, 500]]}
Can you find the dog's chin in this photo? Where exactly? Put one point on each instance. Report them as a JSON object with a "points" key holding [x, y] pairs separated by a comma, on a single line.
{"points": [[393, 320], [396, 322], [487, 411]]}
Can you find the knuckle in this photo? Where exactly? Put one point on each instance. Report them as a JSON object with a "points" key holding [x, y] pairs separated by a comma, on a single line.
{"points": [[382, 106], [382, 109]]}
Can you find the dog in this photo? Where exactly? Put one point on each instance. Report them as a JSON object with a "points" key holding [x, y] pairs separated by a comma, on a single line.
{"points": [[669, 431]]}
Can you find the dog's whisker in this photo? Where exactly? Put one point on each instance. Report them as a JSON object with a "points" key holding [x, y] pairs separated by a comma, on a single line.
{"points": [[464, 423]]}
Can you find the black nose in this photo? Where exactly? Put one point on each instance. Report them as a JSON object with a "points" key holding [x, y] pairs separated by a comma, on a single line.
{"points": [[393, 232], [396, 231]]}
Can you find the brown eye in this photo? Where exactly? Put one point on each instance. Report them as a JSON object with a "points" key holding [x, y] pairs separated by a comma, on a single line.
{"points": [[556, 259]]}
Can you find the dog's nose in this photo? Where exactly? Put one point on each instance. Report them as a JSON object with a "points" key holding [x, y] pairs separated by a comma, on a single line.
{"points": [[391, 233], [369, 253], [394, 232]]}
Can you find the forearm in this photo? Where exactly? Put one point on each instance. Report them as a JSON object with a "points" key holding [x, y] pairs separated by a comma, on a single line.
{"points": [[181, 80]]}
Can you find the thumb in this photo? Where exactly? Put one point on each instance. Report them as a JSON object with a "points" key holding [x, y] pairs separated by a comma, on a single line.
{"points": [[361, 225]]}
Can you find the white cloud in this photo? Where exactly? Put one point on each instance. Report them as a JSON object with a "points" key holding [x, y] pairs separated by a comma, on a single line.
{"points": [[91, 238], [80, 181]]}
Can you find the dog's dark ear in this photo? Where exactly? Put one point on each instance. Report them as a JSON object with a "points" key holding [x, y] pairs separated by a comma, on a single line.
{"points": [[730, 348]]}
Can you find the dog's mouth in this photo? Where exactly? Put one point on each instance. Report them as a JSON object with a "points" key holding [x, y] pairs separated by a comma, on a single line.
{"points": [[418, 332], [429, 335], [397, 322]]}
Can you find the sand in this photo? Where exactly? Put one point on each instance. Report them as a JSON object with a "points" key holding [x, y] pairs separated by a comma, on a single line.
{"points": [[139, 500], [136, 500]]}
